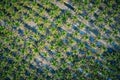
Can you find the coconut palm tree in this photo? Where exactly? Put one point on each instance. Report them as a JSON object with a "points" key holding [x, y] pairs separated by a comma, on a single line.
{"points": [[58, 22]]}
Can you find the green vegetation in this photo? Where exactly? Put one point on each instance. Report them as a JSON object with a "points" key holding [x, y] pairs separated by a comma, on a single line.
{"points": [[59, 40]]}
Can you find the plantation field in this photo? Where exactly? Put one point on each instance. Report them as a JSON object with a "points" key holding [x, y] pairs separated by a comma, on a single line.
{"points": [[59, 40]]}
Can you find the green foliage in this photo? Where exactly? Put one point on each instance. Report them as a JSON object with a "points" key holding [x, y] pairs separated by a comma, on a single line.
{"points": [[59, 46]]}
